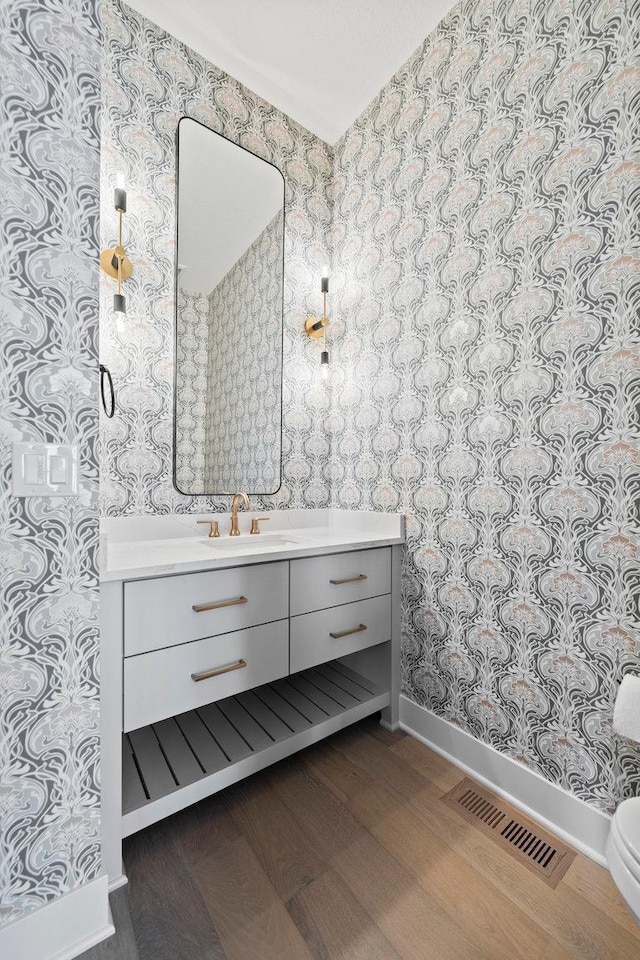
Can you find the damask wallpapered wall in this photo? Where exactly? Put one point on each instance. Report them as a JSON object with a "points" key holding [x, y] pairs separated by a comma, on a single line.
{"points": [[228, 357], [49, 707], [192, 357], [245, 354], [486, 243], [150, 80]]}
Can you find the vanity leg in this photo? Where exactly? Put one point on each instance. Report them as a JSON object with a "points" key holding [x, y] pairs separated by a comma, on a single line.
{"points": [[111, 620], [390, 716]]}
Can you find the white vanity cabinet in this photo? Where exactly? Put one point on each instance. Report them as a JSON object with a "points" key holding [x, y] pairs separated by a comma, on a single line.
{"points": [[210, 676], [199, 637], [339, 604]]}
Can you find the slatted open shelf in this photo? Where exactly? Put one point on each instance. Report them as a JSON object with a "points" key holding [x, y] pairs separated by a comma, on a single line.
{"points": [[171, 764]]}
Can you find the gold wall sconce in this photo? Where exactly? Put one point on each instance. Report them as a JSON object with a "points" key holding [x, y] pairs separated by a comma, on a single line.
{"points": [[316, 327], [114, 260]]}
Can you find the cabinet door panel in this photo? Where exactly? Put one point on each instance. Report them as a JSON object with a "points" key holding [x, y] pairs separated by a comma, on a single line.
{"points": [[160, 684], [320, 582], [329, 634], [163, 612]]}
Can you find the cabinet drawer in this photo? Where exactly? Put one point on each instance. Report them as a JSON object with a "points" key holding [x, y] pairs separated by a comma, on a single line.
{"points": [[311, 634], [159, 684], [319, 582], [160, 613]]}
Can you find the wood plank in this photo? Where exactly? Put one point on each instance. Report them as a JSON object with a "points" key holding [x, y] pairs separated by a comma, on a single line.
{"points": [[555, 951], [277, 841], [429, 763], [224, 732], [169, 916], [329, 706], [296, 784], [156, 774], [202, 743], [306, 707], [201, 829], [249, 917], [133, 793], [343, 778], [577, 925], [334, 924], [268, 720], [332, 689], [287, 713], [596, 885], [176, 749], [388, 737], [489, 918], [406, 914], [245, 724]]}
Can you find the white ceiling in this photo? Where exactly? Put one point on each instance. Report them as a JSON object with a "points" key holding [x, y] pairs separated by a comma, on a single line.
{"points": [[320, 61]]}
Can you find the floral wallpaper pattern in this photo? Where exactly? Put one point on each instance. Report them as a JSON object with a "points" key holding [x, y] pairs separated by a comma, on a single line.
{"points": [[192, 357], [244, 395], [487, 252], [228, 375], [49, 706], [151, 80]]}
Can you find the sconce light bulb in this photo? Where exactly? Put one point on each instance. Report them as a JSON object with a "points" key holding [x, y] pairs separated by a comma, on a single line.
{"points": [[324, 364], [120, 180]]}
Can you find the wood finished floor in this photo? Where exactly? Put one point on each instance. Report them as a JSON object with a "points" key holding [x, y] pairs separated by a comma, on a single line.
{"points": [[345, 852]]}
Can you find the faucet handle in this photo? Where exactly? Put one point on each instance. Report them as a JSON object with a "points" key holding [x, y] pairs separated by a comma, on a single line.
{"points": [[255, 528], [214, 530]]}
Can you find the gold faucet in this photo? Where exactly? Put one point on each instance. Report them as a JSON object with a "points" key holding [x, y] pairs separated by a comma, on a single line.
{"points": [[235, 531]]}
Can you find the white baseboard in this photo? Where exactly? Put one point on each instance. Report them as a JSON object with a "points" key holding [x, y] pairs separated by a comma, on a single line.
{"points": [[391, 727], [118, 882], [63, 929], [571, 819]]}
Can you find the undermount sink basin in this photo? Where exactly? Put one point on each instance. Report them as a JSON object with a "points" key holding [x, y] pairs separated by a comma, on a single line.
{"points": [[245, 543]]}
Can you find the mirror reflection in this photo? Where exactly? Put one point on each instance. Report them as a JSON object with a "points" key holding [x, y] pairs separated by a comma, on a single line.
{"points": [[228, 376]]}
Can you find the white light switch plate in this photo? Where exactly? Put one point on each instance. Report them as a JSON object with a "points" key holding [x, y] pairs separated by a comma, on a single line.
{"points": [[45, 470]]}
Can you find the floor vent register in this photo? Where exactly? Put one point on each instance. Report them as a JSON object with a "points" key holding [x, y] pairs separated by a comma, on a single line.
{"points": [[535, 848]]}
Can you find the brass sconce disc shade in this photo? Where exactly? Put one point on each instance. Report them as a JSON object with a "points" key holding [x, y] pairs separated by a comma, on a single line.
{"points": [[109, 263], [314, 326]]}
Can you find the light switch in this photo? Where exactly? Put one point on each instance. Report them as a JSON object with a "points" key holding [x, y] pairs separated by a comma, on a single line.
{"points": [[34, 468], [57, 469], [45, 470]]}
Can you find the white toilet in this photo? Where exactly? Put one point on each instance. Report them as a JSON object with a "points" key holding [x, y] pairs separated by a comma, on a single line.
{"points": [[623, 852]]}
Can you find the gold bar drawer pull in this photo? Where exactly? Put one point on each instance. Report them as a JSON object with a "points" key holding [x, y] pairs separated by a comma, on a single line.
{"points": [[347, 633], [227, 668], [361, 576], [203, 607]]}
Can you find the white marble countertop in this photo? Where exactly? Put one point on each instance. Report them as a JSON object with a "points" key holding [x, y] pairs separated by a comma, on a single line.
{"points": [[138, 547]]}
